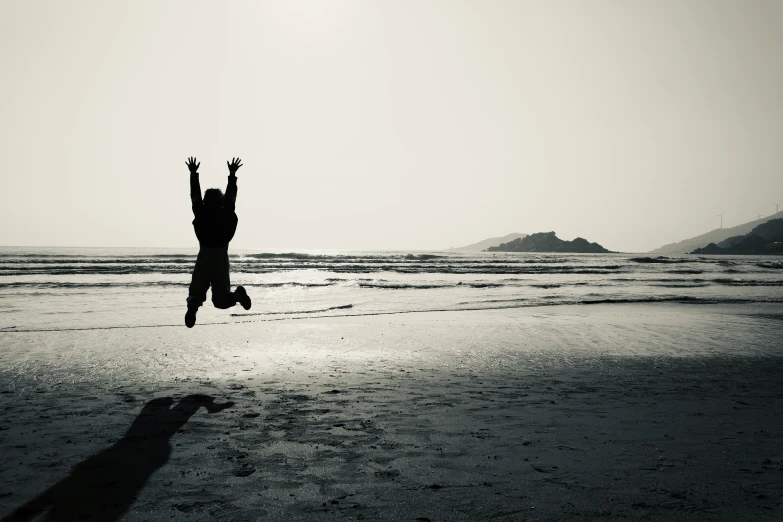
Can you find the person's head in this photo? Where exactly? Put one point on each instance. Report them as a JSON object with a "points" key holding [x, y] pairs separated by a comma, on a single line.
{"points": [[213, 198]]}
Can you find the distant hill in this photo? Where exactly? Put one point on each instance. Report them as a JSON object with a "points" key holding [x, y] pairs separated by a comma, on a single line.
{"points": [[549, 242], [766, 238], [491, 242], [716, 236]]}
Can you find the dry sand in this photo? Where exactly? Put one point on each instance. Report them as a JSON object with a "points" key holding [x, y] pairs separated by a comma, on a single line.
{"points": [[564, 413]]}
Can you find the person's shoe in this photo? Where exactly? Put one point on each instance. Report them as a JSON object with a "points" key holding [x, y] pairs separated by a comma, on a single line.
{"points": [[190, 317], [242, 297]]}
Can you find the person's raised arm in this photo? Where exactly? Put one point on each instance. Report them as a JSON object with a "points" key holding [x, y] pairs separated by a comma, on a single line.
{"points": [[195, 186], [231, 189]]}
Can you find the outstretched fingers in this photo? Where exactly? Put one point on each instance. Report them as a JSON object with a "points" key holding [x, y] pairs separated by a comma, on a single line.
{"points": [[234, 164], [192, 165]]}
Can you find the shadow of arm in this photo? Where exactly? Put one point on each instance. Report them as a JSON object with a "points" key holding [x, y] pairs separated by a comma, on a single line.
{"points": [[217, 408]]}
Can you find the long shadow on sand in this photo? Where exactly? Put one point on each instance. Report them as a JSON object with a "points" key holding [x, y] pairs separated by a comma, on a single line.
{"points": [[103, 487]]}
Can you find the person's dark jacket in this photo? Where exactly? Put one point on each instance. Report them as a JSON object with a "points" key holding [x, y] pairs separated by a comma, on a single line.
{"points": [[214, 227]]}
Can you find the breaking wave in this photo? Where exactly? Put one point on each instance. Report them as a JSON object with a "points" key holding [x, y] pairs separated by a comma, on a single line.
{"points": [[660, 260]]}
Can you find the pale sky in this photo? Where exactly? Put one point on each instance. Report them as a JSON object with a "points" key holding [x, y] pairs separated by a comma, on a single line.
{"points": [[417, 124]]}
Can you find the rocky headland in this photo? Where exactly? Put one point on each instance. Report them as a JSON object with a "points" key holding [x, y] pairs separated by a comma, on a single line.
{"points": [[765, 239]]}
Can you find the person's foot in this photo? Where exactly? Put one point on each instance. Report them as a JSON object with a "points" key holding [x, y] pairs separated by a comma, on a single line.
{"points": [[242, 297], [190, 317]]}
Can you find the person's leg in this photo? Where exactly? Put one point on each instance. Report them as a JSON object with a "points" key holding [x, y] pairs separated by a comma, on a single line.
{"points": [[237, 296], [197, 292], [222, 296]]}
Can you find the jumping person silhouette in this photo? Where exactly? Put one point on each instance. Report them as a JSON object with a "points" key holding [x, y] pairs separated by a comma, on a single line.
{"points": [[215, 224]]}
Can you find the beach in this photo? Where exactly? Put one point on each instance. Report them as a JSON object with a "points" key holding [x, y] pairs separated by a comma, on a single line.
{"points": [[427, 261], [575, 412]]}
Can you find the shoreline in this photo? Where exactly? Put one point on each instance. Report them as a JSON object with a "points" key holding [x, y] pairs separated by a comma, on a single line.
{"points": [[733, 305]]}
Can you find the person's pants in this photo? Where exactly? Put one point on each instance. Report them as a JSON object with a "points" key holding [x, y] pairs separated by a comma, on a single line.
{"points": [[211, 269]]}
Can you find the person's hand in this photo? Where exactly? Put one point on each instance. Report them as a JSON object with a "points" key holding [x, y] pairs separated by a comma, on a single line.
{"points": [[234, 166], [192, 165]]}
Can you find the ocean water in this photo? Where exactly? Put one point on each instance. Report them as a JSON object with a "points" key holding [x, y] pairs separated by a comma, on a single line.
{"points": [[71, 288]]}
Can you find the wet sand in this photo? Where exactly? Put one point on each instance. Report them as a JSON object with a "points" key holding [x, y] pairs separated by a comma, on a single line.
{"points": [[648, 412]]}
